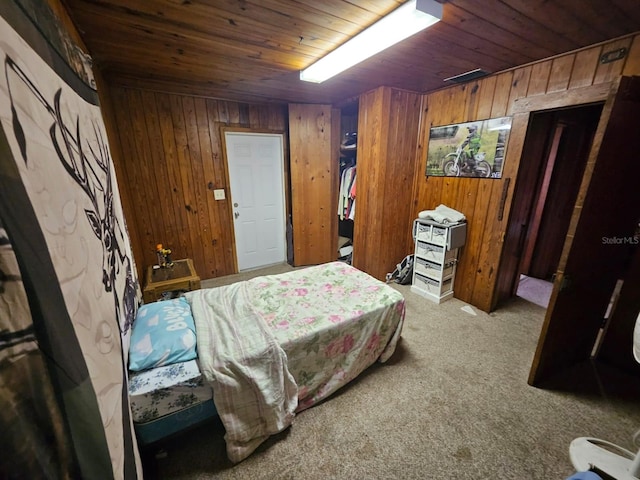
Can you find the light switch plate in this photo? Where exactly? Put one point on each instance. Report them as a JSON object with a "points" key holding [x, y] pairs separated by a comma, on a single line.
{"points": [[218, 194]]}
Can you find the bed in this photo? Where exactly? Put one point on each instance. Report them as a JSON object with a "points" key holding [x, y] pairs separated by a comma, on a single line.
{"points": [[265, 349]]}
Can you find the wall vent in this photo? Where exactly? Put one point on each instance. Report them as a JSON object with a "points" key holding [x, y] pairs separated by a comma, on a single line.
{"points": [[465, 77]]}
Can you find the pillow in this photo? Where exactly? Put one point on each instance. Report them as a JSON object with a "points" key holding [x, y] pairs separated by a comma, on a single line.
{"points": [[163, 333]]}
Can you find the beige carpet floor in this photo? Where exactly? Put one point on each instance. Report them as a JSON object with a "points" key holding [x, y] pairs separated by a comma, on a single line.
{"points": [[452, 403]]}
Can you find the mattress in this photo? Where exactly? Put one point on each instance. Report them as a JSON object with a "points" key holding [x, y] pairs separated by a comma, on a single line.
{"points": [[165, 390]]}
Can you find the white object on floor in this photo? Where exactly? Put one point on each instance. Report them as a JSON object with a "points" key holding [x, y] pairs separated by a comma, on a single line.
{"points": [[469, 309], [344, 251], [600, 456]]}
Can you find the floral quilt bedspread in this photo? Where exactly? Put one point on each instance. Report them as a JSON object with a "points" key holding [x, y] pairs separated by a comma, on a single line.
{"points": [[332, 320], [281, 343]]}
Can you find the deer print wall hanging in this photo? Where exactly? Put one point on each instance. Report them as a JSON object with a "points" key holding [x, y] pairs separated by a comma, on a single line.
{"points": [[60, 207]]}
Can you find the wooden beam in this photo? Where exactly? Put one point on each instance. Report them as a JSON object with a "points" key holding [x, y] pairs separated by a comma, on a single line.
{"points": [[576, 96]]}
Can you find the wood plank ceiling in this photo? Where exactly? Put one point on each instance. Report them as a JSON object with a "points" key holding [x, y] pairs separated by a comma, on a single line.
{"points": [[252, 50]]}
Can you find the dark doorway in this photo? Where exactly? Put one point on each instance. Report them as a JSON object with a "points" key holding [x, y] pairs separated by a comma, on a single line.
{"points": [[600, 249], [555, 154]]}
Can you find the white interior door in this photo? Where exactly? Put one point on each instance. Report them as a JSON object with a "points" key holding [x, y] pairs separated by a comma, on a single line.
{"points": [[256, 170]]}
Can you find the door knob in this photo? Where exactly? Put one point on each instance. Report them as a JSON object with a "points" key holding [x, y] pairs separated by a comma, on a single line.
{"points": [[236, 214]]}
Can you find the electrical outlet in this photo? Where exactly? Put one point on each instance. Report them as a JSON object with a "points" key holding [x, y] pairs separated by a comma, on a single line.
{"points": [[218, 194]]}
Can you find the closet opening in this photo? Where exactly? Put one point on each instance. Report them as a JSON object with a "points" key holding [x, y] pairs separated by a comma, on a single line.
{"points": [[347, 178], [554, 157]]}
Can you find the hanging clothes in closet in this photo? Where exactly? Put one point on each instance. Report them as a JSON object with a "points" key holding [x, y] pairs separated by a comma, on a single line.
{"points": [[347, 191], [347, 198]]}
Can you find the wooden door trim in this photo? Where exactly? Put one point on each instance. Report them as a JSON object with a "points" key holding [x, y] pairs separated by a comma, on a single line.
{"points": [[578, 97], [570, 98], [225, 128]]}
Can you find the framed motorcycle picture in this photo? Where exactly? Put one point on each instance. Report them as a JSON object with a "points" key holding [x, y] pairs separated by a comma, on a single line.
{"points": [[470, 149]]}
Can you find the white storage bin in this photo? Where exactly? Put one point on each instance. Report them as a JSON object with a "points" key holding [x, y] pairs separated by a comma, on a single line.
{"points": [[435, 253], [439, 235], [431, 286], [432, 269], [422, 232]]}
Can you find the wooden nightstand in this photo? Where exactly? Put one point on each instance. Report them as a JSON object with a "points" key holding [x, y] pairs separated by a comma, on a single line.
{"points": [[181, 277]]}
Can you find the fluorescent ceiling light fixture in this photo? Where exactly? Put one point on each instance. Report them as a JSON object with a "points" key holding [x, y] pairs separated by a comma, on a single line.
{"points": [[407, 20]]}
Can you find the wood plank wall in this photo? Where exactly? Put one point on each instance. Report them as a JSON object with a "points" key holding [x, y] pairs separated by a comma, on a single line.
{"points": [[168, 154], [313, 138], [495, 96], [387, 140], [168, 157]]}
